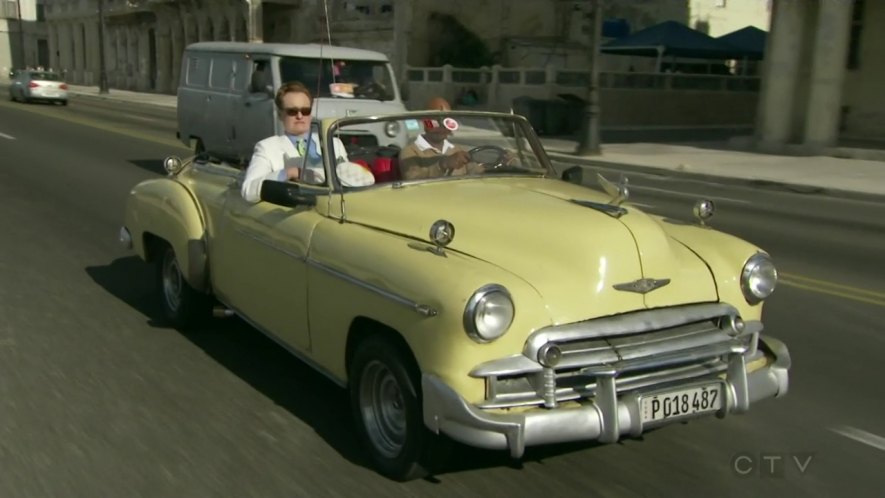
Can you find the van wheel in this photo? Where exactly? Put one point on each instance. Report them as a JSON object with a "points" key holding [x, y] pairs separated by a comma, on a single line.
{"points": [[182, 305], [385, 400]]}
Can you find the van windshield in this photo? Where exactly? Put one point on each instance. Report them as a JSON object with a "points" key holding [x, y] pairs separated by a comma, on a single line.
{"points": [[340, 78]]}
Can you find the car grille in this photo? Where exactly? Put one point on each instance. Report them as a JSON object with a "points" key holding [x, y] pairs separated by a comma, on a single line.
{"points": [[648, 348]]}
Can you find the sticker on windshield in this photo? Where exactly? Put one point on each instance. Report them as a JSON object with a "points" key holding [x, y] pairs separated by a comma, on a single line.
{"points": [[341, 90], [450, 124], [412, 125]]}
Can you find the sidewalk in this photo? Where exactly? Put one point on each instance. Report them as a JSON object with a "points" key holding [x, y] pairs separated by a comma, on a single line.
{"points": [[722, 162]]}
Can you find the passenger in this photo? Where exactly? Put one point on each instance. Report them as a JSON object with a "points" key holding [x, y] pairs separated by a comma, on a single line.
{"points": [[295, 155], [431, 155]]}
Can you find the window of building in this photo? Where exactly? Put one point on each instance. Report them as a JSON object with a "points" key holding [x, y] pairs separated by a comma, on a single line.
{"points": [[41, 12], [857, 15], [719, 3]]}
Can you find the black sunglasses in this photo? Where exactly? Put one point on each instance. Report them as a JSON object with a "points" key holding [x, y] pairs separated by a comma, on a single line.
{"points": [[293, 111]]}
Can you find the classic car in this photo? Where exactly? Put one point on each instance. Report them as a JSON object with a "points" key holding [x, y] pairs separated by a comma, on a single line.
{"points": [[494, 302]]}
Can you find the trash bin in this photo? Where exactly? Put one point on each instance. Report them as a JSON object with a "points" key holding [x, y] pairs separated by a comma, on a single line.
{"points": [[533, 110], [556, 117]]}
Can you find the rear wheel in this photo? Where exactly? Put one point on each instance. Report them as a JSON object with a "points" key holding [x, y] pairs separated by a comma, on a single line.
{"points": [[182, 305], [385, 399]]}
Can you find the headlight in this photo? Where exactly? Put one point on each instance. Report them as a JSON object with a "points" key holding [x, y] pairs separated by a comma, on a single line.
{"points": [[758, 278], [391, 128], [488, 314]]}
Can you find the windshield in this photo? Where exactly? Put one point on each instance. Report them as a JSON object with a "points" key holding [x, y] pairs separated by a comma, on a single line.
{"points": [[347, 79], [440, 146]]}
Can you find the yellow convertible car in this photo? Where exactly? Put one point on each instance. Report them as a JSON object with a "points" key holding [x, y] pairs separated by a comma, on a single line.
{"points": [[460, 288]]}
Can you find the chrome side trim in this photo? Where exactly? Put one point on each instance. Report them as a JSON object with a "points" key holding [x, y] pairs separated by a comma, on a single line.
{"points": [[628, 323], [269, 243], [298, 354], [421, 309]]}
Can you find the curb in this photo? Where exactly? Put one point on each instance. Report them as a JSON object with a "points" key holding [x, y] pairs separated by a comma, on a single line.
{"points": [[115, 98], [797, 188]]}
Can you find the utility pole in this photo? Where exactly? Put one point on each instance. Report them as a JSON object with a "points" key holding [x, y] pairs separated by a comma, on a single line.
{"points": [[102, 66], [588, 143], [21, 33]]}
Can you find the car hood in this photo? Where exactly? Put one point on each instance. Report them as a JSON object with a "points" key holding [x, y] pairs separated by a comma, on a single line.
{"points": [[572, 254]]}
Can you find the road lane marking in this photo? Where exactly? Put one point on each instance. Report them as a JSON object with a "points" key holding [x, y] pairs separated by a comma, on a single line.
{"points": [[55, 114], [833, 289], [695, 196], [861, 436], [8, 137]]}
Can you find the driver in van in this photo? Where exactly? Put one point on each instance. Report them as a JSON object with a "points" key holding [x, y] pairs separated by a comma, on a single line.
{"points": [[432, 155], [296, 155]]}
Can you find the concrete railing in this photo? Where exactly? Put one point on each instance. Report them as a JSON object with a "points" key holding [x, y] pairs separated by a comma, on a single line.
{"points": [[628, 98]]}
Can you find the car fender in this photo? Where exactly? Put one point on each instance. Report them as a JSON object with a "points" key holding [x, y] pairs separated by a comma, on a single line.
{"points": [[165, 209], [358, 274]]}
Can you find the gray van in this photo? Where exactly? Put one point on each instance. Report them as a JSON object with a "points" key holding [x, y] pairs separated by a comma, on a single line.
{"points": [[226, 93]]}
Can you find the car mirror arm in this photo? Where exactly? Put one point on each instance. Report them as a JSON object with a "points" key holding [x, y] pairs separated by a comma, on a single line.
{"points": [[286, 194]]}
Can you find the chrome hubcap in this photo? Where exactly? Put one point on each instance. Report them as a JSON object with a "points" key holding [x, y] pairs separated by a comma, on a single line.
{"points": [[383, 409], [172, 281]]}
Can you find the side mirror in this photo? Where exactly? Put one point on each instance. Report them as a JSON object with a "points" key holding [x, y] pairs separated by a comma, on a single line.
{"points": [[575, 175], [286, 194]]}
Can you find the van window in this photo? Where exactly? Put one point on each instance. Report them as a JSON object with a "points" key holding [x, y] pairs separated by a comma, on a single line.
{"points": [[197, 71], [222, 71], [356, 78]]}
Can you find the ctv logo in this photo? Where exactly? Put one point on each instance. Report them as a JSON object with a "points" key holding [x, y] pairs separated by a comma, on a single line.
{"points": [[771, 465]]}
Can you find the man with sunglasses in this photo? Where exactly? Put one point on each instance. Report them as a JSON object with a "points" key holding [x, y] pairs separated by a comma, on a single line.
{"points": [[295, 155]]}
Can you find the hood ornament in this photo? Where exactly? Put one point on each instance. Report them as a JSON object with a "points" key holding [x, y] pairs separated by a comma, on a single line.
{"points": [[643, 285], [619, 192]]}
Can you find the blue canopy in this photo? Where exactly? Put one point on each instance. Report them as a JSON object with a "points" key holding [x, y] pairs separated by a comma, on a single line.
{"points": [[750, 41], [672, 38]]}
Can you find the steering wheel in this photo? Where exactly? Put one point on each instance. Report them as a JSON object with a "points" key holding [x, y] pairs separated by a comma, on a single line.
{"points": [[482, 155]]}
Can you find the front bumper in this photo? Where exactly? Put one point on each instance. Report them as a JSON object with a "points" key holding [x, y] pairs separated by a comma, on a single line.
{"points": [[605, 418]]}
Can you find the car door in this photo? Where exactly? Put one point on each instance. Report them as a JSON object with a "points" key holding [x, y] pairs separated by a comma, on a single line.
{"points": [[258, 262]]}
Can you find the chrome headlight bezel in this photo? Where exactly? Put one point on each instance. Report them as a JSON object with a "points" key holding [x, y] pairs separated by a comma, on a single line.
{"points": [[758, 278], [392, 128], [492, 298]]}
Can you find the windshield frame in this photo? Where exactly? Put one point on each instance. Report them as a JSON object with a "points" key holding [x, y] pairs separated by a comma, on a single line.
{"points": [[332, 126]]}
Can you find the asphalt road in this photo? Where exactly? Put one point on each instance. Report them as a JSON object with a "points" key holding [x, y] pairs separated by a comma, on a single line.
{"points": [[97, 398]]}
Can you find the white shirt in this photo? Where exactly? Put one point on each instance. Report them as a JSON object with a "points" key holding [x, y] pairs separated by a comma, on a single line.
{"points": [[274, 154], [423, 145]]}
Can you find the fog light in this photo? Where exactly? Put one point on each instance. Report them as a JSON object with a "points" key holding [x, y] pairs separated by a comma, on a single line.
{"points": [[549, 355], [736, 326]]}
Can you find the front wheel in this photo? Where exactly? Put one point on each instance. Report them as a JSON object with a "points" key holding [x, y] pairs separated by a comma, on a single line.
{"points": [[386, 403], [182, 305]]}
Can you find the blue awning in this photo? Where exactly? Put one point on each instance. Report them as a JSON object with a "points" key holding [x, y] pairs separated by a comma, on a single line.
{"points": [[675, 39], [750, 41]]}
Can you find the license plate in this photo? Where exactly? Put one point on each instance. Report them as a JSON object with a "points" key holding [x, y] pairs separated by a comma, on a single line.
{"points": [[682, 402]]}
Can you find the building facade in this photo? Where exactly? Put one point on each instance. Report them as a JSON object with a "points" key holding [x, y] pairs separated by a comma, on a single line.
{"points": [[823, 75], [23, 35], [720, 17]]}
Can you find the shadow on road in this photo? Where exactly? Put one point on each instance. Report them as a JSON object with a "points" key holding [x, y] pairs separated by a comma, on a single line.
{"points": [[152, 165], [132, 281]]}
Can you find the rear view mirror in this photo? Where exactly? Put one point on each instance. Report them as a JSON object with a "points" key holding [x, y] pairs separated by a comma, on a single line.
{"points": [[286, 194]]}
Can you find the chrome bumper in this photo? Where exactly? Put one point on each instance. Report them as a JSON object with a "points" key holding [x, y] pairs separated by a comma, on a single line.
{"points": [[605, 418]]}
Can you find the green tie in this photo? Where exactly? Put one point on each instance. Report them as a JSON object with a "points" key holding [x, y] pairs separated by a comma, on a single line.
{"points": [[301, 147]]}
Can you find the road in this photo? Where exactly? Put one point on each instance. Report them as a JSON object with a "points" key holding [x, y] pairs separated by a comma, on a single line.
{"points": [[97, 398]]}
